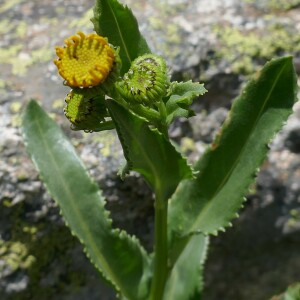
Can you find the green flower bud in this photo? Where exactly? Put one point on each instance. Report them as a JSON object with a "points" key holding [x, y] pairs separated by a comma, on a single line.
{"points": [[146, 82], [85, 109]]}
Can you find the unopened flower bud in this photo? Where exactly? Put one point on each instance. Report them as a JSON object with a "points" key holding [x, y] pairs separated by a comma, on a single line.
{"points": [[146, 81], [85, 109]]}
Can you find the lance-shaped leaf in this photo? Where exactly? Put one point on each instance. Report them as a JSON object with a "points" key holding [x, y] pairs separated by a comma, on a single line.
{"points": [[119, 25], [183, 95], [149, 152], [208, 203], [185, 281], [292, 293], [119, 257]]}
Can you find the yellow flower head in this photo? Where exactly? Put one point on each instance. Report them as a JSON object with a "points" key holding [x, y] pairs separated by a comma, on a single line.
{"points": [[85, 61]]}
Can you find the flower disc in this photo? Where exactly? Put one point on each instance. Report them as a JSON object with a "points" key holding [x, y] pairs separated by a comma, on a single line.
{"points": [[85, 61]]}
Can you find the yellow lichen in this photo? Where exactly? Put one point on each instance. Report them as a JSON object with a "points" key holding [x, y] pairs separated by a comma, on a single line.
{"points": [[58, 104], [15, 107], [8, 4], [242, 48], [21, 29], [85, 61], [84, 21], [2, 84], [21, 60], [15, 255], [6, 25]]}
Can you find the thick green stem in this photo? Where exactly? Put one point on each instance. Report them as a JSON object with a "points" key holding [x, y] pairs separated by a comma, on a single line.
{"points": [[146, 112], [160, 250], [163, 118], [107, 125]]}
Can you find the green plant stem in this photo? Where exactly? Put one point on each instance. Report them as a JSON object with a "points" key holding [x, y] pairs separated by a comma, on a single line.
{"points": [[163, 118], [146, 112], [107, 125], [160, 250]]}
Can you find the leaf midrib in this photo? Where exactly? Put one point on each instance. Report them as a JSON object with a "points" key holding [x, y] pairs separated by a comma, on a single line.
{"points": [[120, 32]]}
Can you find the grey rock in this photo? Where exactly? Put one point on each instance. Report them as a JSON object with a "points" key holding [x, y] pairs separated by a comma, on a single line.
{"points": [[17, 285], [292, 141], [206, 126]]}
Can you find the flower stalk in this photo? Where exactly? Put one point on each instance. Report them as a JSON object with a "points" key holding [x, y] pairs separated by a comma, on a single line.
{"points": [[160, 249]]}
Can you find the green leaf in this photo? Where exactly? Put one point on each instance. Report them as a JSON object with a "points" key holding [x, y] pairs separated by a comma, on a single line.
{"points": [[149, 152], [120, 257], [183, 94], [208, 203], [185, 281], [119, 25], [292, 293]]}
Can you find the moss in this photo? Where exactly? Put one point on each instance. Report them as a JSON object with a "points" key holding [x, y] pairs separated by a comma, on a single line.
{"points": [[246, 50]]}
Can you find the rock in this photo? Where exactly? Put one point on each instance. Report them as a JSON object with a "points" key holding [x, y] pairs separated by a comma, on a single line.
{"points": [[205, 126], [292, 141]]}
